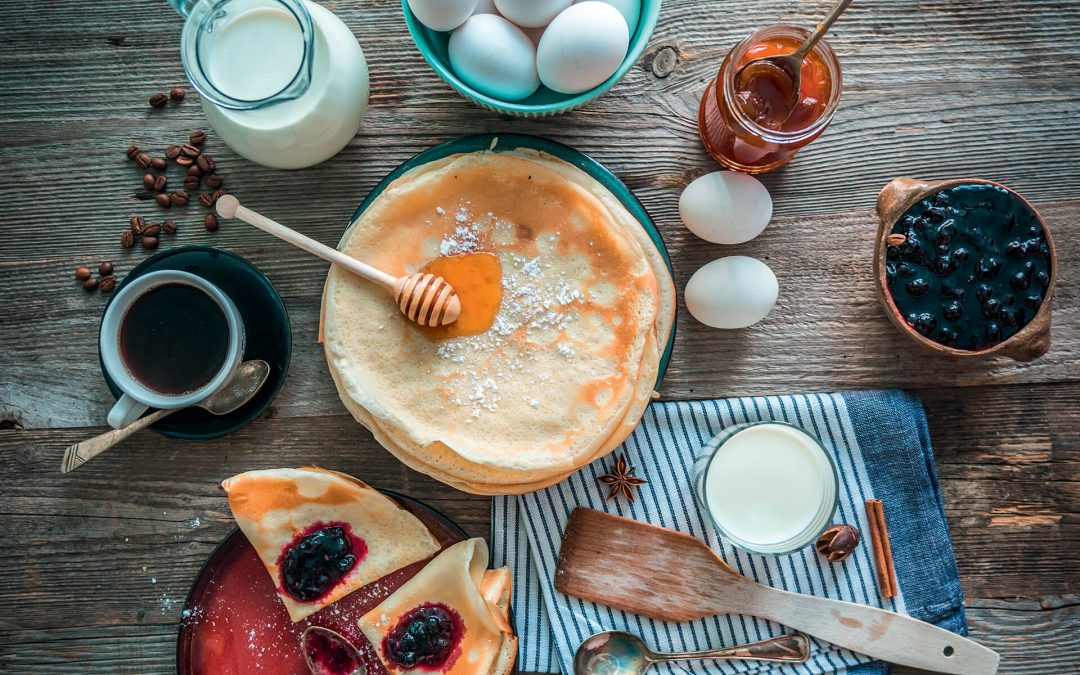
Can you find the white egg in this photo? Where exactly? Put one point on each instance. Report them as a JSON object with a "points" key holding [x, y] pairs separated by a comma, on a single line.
{"points": [[732, 292], [726, 207], [442, 14], [531, 13], [495, 57], [582, 47], [485, 7], [630, 9]]}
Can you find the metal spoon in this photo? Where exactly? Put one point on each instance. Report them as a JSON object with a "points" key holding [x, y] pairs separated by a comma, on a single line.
{"points": [[327, 652], [245, 383], [789, 66], [619, 653]]}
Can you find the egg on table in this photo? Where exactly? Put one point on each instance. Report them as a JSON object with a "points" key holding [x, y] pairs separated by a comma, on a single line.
{"points": [[531, 13], [494, 57], [732, 292], [582, 47], [442, 14], [630, 9], [726, 207]]}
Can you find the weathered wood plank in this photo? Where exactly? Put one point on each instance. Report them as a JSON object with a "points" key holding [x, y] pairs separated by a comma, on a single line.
{"points": [[827, 332]]}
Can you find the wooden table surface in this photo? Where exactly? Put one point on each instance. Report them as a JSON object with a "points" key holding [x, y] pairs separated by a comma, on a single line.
{"points": [[94, 566]]}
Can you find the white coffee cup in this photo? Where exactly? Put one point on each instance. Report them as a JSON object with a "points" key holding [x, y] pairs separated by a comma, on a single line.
{"points": [[138, 397]]}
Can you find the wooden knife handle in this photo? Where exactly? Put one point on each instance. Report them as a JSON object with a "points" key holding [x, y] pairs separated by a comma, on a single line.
{"points": [[875, 632]]}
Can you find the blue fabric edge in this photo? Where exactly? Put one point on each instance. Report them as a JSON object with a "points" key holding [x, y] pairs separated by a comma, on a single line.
{"points": [[880, 419]]}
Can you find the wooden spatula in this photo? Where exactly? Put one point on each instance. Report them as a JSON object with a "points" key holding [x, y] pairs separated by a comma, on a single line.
{"points": [[424, 298], [668, 575]]}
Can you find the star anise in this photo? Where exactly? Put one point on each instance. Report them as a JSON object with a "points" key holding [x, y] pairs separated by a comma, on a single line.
{"points": [[622, 479]]}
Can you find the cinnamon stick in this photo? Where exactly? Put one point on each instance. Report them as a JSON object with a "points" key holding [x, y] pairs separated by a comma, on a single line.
{"points": [[883, 558]]}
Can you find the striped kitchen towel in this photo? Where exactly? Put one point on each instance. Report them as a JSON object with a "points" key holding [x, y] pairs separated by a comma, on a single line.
{"points": [[881, 446]]}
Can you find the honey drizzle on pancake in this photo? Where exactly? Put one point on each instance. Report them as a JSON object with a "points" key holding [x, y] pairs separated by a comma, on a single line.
{"points": [[477, 278]]}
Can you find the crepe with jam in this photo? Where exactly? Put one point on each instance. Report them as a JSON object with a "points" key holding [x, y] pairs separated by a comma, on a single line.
{"points": [[322, 535], [451, 618], [566, 369]]}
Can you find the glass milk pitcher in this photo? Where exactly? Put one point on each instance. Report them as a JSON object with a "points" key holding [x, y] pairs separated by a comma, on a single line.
{"points": [[283, 82]]}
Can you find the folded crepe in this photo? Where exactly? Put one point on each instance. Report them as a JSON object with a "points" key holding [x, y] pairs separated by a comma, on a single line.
{"points": [[323, 534], [451, 618], [566, 371]]}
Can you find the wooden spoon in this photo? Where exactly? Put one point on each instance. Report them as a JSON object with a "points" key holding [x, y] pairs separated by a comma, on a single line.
{"points": [[426, 299], [788, 68], [671, 576]]}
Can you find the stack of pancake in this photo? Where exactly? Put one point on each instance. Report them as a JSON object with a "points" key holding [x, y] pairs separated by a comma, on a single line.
{"points": [[565, 372]]}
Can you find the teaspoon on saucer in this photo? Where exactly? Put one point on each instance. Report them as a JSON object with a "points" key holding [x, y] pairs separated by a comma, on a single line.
{"points": [[619, 653], [245, 383]]}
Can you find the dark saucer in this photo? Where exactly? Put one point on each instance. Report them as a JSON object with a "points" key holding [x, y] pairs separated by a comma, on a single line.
{"points": [[269, 336]]}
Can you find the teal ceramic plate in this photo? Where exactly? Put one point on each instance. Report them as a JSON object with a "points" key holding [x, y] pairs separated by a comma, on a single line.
{"points": [[507, 142], [544, 102], [266, 324]]}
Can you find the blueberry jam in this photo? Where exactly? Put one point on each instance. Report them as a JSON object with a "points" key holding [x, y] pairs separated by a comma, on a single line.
{"points": [[974, 268], [426, 637], [318, 559]]}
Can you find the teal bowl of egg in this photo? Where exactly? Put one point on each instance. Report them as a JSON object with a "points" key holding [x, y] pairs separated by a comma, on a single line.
{"points": [[434, 46]]}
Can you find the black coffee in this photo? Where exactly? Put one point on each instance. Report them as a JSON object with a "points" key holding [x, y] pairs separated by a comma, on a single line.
{"points": [[174, 339]]}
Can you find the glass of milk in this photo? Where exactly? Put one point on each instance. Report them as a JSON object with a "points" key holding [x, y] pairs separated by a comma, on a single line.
{"points": [[283, 82], [769, 487]]}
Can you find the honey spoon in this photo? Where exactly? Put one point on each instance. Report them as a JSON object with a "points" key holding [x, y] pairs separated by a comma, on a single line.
{"points": [[245, 383], [619, 653], [426, 299], [789, 66]]}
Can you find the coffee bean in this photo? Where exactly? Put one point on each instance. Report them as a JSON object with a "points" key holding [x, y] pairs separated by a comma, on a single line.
{"points": [[190, 150], [159, 183], [148, 181], [105, 269], [90, 284], [132, 151], [206, 163], [180, 198], [108, 284], [210, 222], [158, 163], [150, 242], [215, 181], [205, 199], [184, 160], [216, 195], [152, 230], [172, 152], [137, 223], [82, 273], [163, 200], [197, 137], [194, 170], [191, 182], [143, 160], [169, 227], [127, 239], [176, 93], [158, 100]]}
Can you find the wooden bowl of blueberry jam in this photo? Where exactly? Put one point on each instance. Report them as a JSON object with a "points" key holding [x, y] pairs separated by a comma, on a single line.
{"points": [[965, 267]]}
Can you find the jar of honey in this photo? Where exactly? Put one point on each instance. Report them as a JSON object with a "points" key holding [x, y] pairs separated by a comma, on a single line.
{"points": [[747, 124]]}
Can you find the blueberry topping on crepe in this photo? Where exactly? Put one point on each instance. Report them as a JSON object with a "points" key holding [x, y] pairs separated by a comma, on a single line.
{"points": [[426, 636], [317, 562]]}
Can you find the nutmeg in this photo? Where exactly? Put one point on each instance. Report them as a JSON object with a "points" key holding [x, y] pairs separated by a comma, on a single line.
{"points": [[837, 542]]}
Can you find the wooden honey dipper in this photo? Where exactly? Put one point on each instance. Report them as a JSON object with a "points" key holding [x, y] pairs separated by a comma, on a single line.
{"points": [[426, 299]]}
